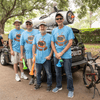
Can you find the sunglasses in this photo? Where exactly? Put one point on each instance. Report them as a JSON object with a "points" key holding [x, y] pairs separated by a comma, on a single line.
{"points": [[28, 24], [59, 18]]}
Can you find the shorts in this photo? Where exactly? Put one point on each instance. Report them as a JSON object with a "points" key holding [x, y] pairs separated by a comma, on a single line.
{"points": [[16, 58], [30, 63]]}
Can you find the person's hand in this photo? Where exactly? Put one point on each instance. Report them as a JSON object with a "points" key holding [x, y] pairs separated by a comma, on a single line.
{"points": [[58, 56], [33, 59], [12, 52], [22, 57], [48, 57]]}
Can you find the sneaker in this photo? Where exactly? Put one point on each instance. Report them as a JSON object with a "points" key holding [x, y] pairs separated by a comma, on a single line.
{"points": [[70, 94], [31, 81], [17, 78], [49, 88], [56, 89], [37, 87], [35, 82], [24, 76]]}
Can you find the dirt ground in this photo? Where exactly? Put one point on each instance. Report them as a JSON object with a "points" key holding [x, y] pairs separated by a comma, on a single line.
{"points": [[12, 90]]}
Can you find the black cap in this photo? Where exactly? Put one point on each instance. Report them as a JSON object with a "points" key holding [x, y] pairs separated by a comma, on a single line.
{"points": [[59, 14]]}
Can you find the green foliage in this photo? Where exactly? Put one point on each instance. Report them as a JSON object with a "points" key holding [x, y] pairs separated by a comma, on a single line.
{"points": [[84, 5], [93, 48], [90, 35], [11, 8], [89, 29], [87, 21], [25, 9]]}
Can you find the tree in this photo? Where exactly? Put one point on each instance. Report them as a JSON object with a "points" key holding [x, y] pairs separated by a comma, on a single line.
{"points": [[87, 21], [12, 8], [84, 5]]}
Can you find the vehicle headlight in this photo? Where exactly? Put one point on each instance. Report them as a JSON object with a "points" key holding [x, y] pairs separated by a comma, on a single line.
{"points": [[76, 53]]}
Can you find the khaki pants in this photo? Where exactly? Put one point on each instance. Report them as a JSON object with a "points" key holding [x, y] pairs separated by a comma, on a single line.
{"points": [[30, 63], [16, 58]]}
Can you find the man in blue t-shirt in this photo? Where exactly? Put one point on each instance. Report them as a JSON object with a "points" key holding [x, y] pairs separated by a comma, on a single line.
{"points": [[62, 38], [14, 43], [26, 43], [42, 48]]}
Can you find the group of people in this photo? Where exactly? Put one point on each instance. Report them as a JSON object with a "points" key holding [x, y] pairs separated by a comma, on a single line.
{"points": [[33, 43]]}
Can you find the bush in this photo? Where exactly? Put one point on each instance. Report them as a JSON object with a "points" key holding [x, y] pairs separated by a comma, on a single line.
{"points": [[91, 35]]}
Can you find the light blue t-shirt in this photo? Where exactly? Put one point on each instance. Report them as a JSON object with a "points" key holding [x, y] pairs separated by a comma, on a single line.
{"points": [[26, 41], [61, 38], [43, 45], [15, 35]]}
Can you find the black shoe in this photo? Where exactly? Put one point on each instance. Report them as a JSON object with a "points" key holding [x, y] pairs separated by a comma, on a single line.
{"points": [[37, 87], [49, 88]]}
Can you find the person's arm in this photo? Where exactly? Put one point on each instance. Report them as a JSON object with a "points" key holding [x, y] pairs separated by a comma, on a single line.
{"points": [[54, 50], [66, 48], [70, 42], [33, 50], [22, 48], [49, 57], [51, 53], [22, 43], [10, 45], [53, 47]]}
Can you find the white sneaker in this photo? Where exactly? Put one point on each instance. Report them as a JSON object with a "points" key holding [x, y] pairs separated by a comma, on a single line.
{"points": [[17, 78], [24, 76]]}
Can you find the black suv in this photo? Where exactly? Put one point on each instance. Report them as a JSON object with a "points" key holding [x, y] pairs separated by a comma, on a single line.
{"points": [[78, 55]]}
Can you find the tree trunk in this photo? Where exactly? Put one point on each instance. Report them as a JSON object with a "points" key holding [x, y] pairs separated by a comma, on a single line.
{"points": [[2, 25]]}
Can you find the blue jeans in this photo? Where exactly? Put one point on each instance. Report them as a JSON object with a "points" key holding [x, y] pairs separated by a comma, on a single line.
{"points": [[47, 67], [67, 67]]}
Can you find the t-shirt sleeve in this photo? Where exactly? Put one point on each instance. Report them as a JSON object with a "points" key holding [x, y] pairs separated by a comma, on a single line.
{"points": [[10, 35], [34, 40], [22, 39], [52, 36], [71, 34]]}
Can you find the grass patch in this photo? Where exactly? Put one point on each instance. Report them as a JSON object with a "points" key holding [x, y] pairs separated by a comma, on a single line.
{"points": [[93, 48]]}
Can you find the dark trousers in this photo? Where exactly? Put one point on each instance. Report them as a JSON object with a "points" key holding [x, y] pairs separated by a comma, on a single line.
{"points": [[67, 67], [47, 67]]}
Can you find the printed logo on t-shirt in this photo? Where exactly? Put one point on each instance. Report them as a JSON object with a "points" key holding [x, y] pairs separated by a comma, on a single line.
{"points": [[41, 45], [61, 40], [30, 39], [17, 37]]}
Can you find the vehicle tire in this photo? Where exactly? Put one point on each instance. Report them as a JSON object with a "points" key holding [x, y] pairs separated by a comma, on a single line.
{"points": [[2, 59], [88, 79], [43, 75]]}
